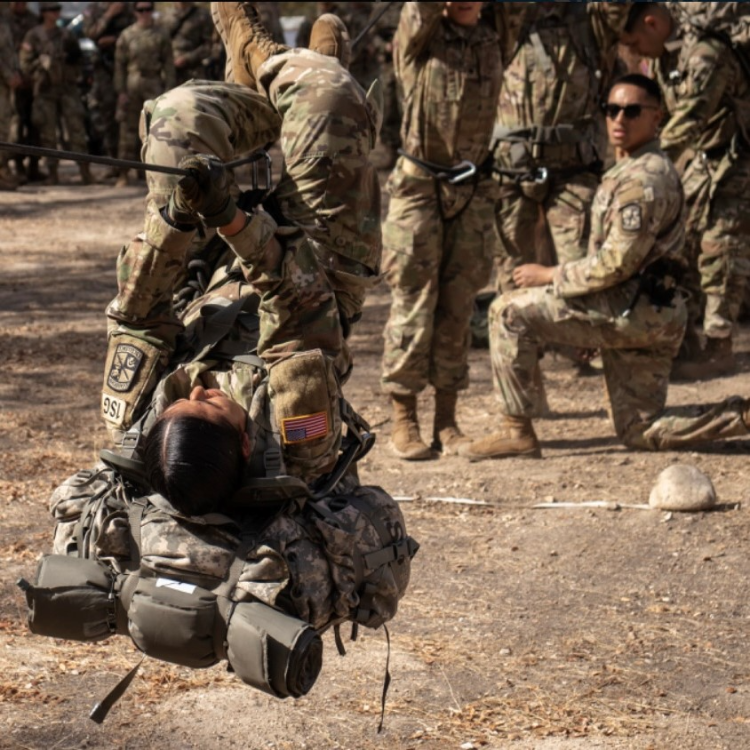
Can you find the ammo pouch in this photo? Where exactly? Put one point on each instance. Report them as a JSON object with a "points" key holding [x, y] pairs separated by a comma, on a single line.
{"points": [[72, 598]]}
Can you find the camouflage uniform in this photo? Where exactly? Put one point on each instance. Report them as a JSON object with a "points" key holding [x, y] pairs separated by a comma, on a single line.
{"points": [[327, 186], [439, 238], [52, 60], [708, 96], [22, 128], [385, 32], [105, 30], [558, 59], [8, 70], [636, 222], [144, 68], [191, 30]]}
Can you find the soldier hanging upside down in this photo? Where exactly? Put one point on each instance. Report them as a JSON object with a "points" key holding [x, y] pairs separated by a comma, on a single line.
{"points": [[234, 478]]}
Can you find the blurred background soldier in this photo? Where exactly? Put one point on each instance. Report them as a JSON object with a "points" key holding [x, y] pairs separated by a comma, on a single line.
{"points": [[191, 30], [550, 138], [10, 79], [103, 23], [144, 68], [22, 20], [51, 57], [439, 237], [708, 129], [270, 17]]}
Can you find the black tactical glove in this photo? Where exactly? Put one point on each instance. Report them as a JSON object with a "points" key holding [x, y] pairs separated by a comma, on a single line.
{"points": [[203, 194]]}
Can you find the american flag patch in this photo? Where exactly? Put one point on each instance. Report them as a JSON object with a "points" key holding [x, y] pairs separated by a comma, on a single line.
{"points": [[302, 429]]}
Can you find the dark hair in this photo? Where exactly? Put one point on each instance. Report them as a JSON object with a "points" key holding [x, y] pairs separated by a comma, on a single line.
{"points": [[637, 12], [649, 85], [195, 464]]}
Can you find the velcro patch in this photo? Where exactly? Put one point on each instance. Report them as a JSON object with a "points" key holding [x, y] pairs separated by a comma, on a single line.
{"points": [[125, 363], [631, 218], [302, 429]]}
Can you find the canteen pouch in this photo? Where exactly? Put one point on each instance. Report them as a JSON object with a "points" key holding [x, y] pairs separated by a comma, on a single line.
{"points": [[174, 621], [272, 651], [73, 598]]}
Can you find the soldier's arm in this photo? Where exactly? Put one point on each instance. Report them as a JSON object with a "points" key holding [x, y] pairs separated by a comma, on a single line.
{"points": [[416, 28], [608, 22], [705, 81], [121, 64], [633, 226], [169, 75], [8, 59], [29, 54], [202, 50], [509, 20]]}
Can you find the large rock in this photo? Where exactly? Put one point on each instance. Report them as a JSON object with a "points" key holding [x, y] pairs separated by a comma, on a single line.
{"points": [[683, 487]]}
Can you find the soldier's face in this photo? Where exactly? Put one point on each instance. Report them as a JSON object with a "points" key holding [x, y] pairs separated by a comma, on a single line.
{"points": [[212, 405], [632, 118], [649, 35], [464, 14]]}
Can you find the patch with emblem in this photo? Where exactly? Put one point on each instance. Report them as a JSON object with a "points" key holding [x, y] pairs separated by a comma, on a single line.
{"points": [[630, 217], [302, 429], [125, 364]]}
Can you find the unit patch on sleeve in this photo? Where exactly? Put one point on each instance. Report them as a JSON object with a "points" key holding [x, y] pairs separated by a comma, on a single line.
{"points": [[302, 429], [630, 217], [125, 363]]}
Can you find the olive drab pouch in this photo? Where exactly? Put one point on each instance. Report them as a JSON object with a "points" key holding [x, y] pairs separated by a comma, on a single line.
{"points": [[273, 651], [305, 397], [72, 598], [130, 374], [174, 621]]}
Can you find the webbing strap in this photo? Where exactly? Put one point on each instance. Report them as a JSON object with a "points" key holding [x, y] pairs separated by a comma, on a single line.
{"points": [[102, 708], [386, 678], [135, 518]]}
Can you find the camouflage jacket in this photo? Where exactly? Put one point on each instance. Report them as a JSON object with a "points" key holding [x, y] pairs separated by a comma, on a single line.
{"points": [[143, 53], [98, 26], [709, 99], [21, 24], [191, 31], [8, 58], [636, 219], [52, 59], [450, 77], [559, 61]]}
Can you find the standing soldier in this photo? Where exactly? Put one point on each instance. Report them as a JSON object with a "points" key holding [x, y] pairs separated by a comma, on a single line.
{"points": [[144, 68], [103, 23], [270, 17], [22, 21], [10, 79], [550, 139], [439, 237], [51, 57], [191, 30], [709, 128]]}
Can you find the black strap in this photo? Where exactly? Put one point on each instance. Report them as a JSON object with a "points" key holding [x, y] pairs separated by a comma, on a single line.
{"points": [[101, 709], [386, 678]]}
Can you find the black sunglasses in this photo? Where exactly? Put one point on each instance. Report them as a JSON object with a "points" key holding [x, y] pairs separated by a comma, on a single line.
{"points": [[144, 10], [631, 111]]}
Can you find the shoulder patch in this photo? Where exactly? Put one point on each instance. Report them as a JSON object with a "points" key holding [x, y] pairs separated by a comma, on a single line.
{"points": [[631, 217], [302, 429], [125, 363]]}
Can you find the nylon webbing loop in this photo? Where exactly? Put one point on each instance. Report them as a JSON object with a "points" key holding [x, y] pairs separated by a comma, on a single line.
{"points": [[102, 708]]}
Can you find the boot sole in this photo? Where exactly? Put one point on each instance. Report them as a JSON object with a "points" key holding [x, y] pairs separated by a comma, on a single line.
{"points": [[427, 455], [534, 453]]}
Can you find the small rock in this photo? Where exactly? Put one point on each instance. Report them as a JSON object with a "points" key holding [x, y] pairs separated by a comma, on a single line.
{"points": [[683, 487]]}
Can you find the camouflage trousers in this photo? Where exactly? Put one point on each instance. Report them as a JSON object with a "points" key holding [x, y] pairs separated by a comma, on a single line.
{"points": [[543, 223], [434, 266], [637, 353], [64, 105], [718, 240], [102, 104], [6, 112], [129, 116]]}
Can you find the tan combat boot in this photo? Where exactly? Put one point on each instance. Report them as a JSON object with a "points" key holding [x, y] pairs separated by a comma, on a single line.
{"points": [[330, 37], [52, 176], [446, 436], [86, 177], [8, 180], [716, 360], [406, 442], [516, 438], [247, 42], [122, 179]]}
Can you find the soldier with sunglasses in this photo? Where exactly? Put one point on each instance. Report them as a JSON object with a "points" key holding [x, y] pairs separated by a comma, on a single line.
{"points": [[623, 297]]}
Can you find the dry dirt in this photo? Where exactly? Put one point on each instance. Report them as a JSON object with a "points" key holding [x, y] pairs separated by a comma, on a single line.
{"points": [[566, 629]]}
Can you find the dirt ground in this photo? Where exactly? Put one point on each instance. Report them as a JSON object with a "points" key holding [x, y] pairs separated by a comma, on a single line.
{"points": [[562, 629]]}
